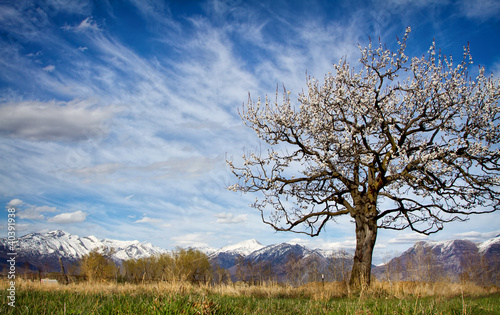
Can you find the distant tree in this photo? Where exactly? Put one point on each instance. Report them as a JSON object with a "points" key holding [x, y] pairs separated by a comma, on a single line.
{"points": [[294, 269], [63, 272], [338, 265], [264, 271], [394, 143], [181, 265], [152, 268], [98, 265], [164, 267], [192, 265], [312, 268], [241, 268]]}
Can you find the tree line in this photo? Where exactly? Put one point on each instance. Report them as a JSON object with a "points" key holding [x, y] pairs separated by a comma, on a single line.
{"points": [[180, 265], [191, 265]]}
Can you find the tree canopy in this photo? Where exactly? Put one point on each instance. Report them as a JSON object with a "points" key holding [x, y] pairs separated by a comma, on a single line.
{"points": [[395, 142]]}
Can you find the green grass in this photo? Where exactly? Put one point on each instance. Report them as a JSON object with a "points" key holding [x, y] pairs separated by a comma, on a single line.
{"points": [[32, 301]]}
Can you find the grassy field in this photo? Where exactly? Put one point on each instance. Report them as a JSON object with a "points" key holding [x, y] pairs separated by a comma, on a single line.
{"points": [[184, 298]]}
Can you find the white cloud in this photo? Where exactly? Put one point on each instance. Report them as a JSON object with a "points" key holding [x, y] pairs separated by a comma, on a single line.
{"points": [[300, 241], [179, 104], [148, 220], [86, 24], [229, 218], [97, 170], [49, 68], [476, 236], [191, 240], [35, 213], [348, 243], [69, 217], [30, 215], [32, 120], [15, 203], [79, 7], [480, 9], [31, 212], [187, 166], [408, 238]]}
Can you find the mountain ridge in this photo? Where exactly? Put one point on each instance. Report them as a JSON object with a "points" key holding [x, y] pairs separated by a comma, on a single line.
{"points": [[43, 251], [453, 259]]}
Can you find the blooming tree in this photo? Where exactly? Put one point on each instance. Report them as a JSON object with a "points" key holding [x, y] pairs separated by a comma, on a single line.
{"points": [[396, 144]]}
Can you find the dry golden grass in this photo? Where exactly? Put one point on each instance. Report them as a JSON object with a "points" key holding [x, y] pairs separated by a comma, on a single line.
{"points": [[314, 290]]}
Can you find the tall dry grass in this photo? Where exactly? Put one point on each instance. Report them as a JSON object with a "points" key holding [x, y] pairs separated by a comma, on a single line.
{"points": [[403, 289], [313, 290]]}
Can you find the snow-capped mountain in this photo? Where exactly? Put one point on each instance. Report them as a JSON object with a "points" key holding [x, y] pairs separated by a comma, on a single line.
{"points": [[253, 261], [244, 248], [256, 260], [226, 256], [454, 259], [42, 250], [280, 253], [490, 247]]}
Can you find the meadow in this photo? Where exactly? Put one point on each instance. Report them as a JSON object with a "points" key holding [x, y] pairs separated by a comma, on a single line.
{"points": [[240, 298]]}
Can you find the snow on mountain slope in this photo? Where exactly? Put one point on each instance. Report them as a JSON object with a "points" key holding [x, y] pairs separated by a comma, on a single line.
{"points": [[280, 253], [244, 248], [451, 259], [226, 256], [446, 250], [74, 247], [489, 245], [43, 250]]}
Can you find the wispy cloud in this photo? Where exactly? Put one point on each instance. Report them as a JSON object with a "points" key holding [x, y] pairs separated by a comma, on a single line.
{"points": [[348, 243], [230, 218], [49, 68], [476, 236], [133, 122], [191, 240], [35, 213], [408, 238], [73, 7], [87, 24], [480, 9], [149, 220]]}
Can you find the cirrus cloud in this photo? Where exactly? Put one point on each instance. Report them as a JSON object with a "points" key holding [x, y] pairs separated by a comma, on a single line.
{"points": [[148, 220], [35, 213], [230, 218]]}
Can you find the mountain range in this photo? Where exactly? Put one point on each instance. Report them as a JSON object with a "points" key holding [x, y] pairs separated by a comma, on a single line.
{"points": [[41, 251], [455, 259]]}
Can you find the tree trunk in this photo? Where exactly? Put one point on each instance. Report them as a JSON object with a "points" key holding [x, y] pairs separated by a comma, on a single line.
{"points": [[366, 235]]}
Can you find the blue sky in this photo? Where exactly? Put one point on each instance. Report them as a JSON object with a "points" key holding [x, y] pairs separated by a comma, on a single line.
{"points": [[116, 116]]}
